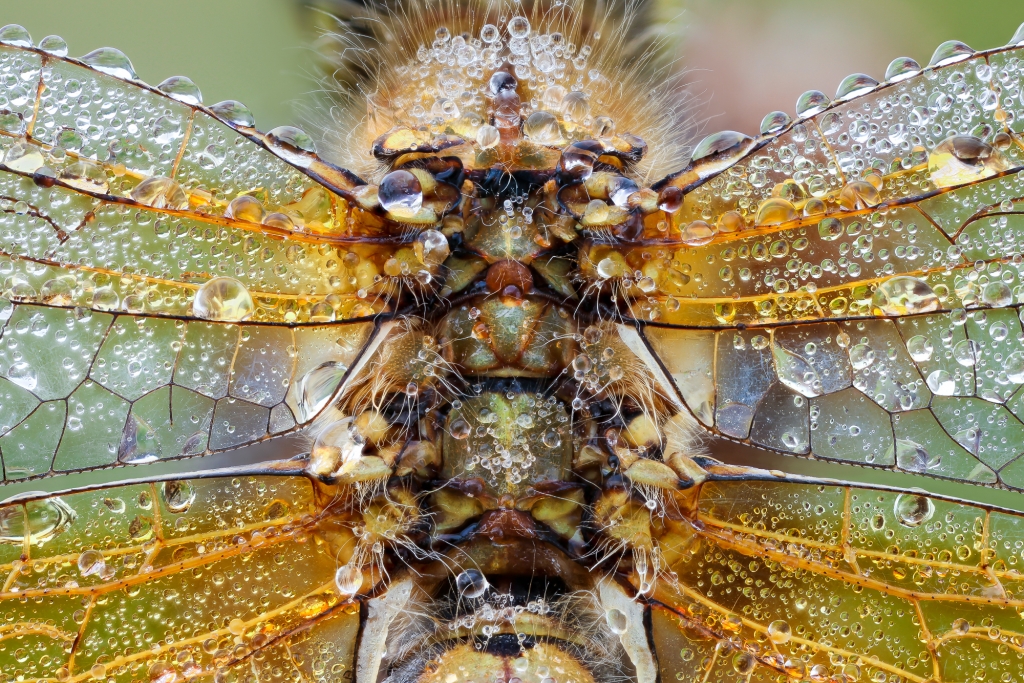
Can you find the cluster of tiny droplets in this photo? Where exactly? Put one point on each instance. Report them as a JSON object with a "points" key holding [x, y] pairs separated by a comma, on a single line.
{"points": [[511, 461], [453, 73]]}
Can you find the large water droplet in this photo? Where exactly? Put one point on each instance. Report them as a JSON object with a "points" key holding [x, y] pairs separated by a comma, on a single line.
{"points": [[23, 374], [178, 496], [774, 122], [291, 140], [160, 193], [962, 159], [223, 298], [855, 85], [996, 294], [541, 128], [246, 208], [471, 583], [1018, 36], [234, 113], [722, 142], [85, 175], [779, 632], [920, 348], [348, 579], [110, 61], [55, 45], [487, 136], [901, 69], [139, 442], [182, 89], [913, 457], [617, 621], [24, 157], [619, 190], [795, 372], [13, 34], [432, 248], [950, 52], [40, 520], [400, 193], [810, 103], [519, 27], [775, 210], [317, 386], [91, 562], [941, 383], [913, 510], [1014, 367], [904, 295]]}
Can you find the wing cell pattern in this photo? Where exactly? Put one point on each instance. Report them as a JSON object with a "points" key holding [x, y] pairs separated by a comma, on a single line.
{"points": [[175, 580], [849, 286], [81, 389], [819, 581]]}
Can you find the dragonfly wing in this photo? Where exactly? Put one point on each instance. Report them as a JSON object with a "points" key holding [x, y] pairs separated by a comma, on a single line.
{"points": [[846, 285], [822, 580], [172, 281], [178, 577]]}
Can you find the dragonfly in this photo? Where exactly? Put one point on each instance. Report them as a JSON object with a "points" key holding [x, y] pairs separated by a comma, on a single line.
{"points": [[485, 331]]}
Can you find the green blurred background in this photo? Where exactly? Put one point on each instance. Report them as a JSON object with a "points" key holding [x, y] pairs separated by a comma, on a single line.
{"points": [[744, 57]]}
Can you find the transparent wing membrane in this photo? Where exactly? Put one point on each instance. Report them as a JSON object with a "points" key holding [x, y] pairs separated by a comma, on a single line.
{"points": [[816, 580], [82, 389], [848, 285], [173, 580]]}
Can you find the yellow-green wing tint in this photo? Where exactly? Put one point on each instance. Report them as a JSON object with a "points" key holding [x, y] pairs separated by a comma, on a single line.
{"points": [[175, 580], [82, 389], [861, 269], [827, 582], [118, 196]]}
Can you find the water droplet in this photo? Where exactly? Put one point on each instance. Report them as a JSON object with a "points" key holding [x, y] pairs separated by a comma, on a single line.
{"points": [[105, 299], [904, 295], [575, 107], [774, 122], [245, 208], [901, 69], [541, 127], [400, 193], [996, 294], [810, 103], [855, 85], [432, 248], [348, 579], [471, 583], [743, 663], [489, 33], [23, 374], [55, 45], [487, 136], [774, 211], [950, 52], [698, 233], [722, 142], [110, 61], [12, 122], [1014, 367], [223, 298], [779, 632], [85, 175], [24, 157], [160, 193], [617, 621], [182, 89], [519, 27], [913, 510], [1018, 36], [46, 519], [965, 352], [960, 626], [234, 113], [317, 386], [920, 348], [91, 562], [941, 383], [501, 81], [178, 496], [619, 190], [963, 158], [460, 429], [13, 34]]}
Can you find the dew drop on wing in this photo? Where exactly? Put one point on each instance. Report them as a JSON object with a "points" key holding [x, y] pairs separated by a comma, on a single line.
{"points": [[13, 34], [348, 579], [920, 348], [913, 457], [110, 61], [223, 298], [55, 45], [400, 192], [178, 495], [182, 89], [234, 113], [46, 519], [317, 386], [617, 621], [904, 295], [913, 510]]}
